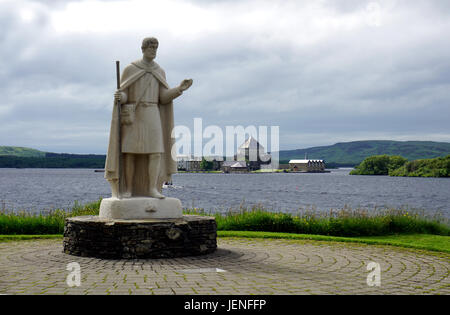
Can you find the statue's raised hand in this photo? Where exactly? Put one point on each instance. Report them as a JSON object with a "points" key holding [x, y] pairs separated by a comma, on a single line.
{"points": [[186, 84]]}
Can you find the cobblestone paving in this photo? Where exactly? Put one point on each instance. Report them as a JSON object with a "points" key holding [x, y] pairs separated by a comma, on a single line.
{"points": [[245, 266]]}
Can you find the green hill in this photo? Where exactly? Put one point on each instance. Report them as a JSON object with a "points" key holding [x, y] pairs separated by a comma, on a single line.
{"points": [[353, 153], [20, 152], [18, 157], [339, 154]]}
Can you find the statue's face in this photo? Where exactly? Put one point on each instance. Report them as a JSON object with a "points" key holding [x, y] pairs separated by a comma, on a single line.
{"points": [[150, 51]]}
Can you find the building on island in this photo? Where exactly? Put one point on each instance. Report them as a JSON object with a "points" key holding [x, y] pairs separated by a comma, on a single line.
{"points": [[310, 166], [254, 154], [217, 164], [188, 163], [251, 156], [235, 167]]}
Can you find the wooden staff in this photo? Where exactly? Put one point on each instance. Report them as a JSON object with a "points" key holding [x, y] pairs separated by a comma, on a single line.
{"points": [[119, 130]]}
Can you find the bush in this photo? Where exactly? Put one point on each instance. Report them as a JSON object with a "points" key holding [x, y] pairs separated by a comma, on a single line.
{"points": [[379, 165], [40, 224], [336, 223], [438, 167], [345, 222]]}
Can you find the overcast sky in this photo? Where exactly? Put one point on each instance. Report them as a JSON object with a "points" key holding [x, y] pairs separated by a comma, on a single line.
{"points": [[324, 71]]}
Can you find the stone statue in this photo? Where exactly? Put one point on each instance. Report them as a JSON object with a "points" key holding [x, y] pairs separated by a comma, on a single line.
{"points": [[146, 123], [138, 221]]}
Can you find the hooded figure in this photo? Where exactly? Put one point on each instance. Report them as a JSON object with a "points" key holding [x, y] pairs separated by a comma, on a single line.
{"points": [[146, 129]]}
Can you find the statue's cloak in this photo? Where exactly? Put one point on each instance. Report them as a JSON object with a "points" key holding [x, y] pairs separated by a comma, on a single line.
{"points": [[168, 165]]}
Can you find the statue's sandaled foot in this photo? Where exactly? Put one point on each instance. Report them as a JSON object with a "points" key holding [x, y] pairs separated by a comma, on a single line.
{"points": [[126, 194], [155, 194]]}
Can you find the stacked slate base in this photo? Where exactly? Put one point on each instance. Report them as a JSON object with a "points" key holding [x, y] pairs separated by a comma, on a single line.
{"points": [[92, 236]]}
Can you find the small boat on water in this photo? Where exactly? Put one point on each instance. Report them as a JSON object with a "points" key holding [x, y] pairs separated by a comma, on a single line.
{"points": [[167, 184], [99, 171]]}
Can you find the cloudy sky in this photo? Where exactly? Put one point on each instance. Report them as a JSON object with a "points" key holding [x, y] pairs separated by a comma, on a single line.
{"points": [[324, 71]]}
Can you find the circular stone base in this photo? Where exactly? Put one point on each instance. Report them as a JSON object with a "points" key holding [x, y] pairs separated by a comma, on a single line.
{"points": [[92, 236]]}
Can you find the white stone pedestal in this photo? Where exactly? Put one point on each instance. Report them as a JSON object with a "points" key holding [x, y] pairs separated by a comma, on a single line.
{"points": [[140, 208]]}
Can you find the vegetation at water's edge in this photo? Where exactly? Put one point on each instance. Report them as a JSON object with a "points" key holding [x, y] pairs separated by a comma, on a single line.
{"points": [[399, 166], [53, 160], [379, 165], [438, 167], [20, 152], [345, 222], [337, 155], [43, 223]]}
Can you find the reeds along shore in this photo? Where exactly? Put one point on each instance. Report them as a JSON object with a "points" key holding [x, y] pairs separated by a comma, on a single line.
{"points": [[344, 222]]}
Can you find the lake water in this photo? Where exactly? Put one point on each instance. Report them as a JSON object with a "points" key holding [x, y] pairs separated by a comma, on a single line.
{"points": [[44, 189]]}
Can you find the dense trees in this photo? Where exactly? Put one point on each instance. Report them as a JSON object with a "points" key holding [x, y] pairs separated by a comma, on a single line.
{"points": [[399, 166], [63, 161], [379, 165], [438, 167], [206, 165]]}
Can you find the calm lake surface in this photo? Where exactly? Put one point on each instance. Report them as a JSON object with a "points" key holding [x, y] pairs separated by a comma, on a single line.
{"points": [[45, 189]]}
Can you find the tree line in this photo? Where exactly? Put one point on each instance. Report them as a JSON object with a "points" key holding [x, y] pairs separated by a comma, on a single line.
{"points": [[399, 166], [53, 160]]}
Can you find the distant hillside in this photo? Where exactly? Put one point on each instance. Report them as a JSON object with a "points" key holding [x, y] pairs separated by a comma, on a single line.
{"points": [[20, 152], [17, 157], [353, 153], [339, 154]]}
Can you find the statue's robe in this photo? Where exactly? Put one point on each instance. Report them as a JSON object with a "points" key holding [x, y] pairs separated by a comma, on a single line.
{"points": [[151, 131]]}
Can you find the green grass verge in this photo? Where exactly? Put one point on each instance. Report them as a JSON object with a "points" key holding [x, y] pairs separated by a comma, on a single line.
{"points": [[434, 243], [9, 238], [416, 241]]}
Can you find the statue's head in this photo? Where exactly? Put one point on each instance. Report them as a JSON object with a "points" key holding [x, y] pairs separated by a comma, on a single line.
{"points": [[149, 47]]}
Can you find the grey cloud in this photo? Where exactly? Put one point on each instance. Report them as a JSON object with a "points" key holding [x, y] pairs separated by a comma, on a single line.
{"points": [[391, 80]]}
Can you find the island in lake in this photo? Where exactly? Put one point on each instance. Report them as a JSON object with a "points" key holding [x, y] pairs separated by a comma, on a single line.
{"points": [[399, 166], [346, 154]]}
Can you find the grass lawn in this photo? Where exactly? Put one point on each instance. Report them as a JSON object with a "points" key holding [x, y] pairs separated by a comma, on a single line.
{"points": [[416, 241], [7, 238]]}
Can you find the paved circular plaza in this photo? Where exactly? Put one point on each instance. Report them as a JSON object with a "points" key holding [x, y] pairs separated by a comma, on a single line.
{"points": [[239, 266]]}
